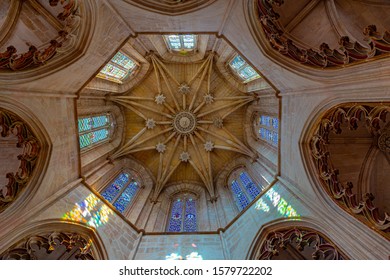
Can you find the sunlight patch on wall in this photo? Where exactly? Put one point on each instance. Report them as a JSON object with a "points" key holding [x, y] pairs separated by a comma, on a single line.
{"points": [[91, 211], [191, 256], [277, 201], [177, 255]]}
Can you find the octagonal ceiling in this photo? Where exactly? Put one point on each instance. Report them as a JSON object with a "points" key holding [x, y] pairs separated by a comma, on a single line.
{"points": [[184, 120]]}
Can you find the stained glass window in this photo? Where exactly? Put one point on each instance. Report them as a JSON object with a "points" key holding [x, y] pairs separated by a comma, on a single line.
{"points": [[183, 43], [183, 215], [190, 216], [118, 69], [240, 197], [124, 200], [243, 188], [176, 216], [93, 129], [249, 185], [111, 192], [243, 69], [267, 128], [89, 123], [122, 191]]}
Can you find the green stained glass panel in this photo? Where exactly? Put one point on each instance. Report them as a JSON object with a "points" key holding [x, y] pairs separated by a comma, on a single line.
{"points": [[89, 123], [123, 60], [92, 137], [113, 71]]}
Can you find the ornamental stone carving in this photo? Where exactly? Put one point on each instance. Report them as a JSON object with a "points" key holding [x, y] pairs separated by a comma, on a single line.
{"points": [[185, 122], [29, 146]]}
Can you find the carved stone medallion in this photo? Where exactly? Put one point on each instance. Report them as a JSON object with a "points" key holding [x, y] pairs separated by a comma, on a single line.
{"points": [[184, 122]]}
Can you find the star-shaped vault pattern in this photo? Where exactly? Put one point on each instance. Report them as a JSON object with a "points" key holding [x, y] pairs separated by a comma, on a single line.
{"points": [[183, 122]]}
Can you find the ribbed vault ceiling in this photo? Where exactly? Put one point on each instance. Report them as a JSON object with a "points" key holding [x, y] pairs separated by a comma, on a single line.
{"points": [[184, 122]]}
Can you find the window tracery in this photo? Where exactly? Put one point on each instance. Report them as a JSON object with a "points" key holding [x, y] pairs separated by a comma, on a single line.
{"points": [[94, 129], [118, 69], [51, 246], [183, 214], [243, 188], [267, 128], [298, 243], [181, 43], [121, 192], [243, 70]]}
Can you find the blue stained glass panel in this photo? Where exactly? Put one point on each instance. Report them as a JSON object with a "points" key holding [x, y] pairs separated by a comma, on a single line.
{"points": [[266, 134], [241, 199], [124, 200], [237, 62], [266, 121], [112, 190], [190, 216], [274, 137], [176, 216], [275, 123], [249, 185], [89, 123], [247, 73]]}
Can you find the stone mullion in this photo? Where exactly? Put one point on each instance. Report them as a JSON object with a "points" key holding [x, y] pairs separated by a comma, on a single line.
{"points": [[121, 191], [133, 200], [97, 128], [243, 188], [183, 211]]}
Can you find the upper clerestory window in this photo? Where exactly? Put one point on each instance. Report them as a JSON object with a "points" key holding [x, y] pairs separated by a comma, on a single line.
{"points": [[181, 43], [243, 69], [118, 69]]}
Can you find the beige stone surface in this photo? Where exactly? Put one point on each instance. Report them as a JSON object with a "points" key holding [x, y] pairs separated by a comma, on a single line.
{"points": [[52, 99]]}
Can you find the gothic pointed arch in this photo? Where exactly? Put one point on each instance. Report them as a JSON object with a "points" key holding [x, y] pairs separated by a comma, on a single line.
{"points": [[183, 213], [27, 148], [171, 7], [294, 240], [123, 190], [338, 43], [100, 131], [71, 32], [263, 130], [53, 240], [346, 152], [131, 197]]}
